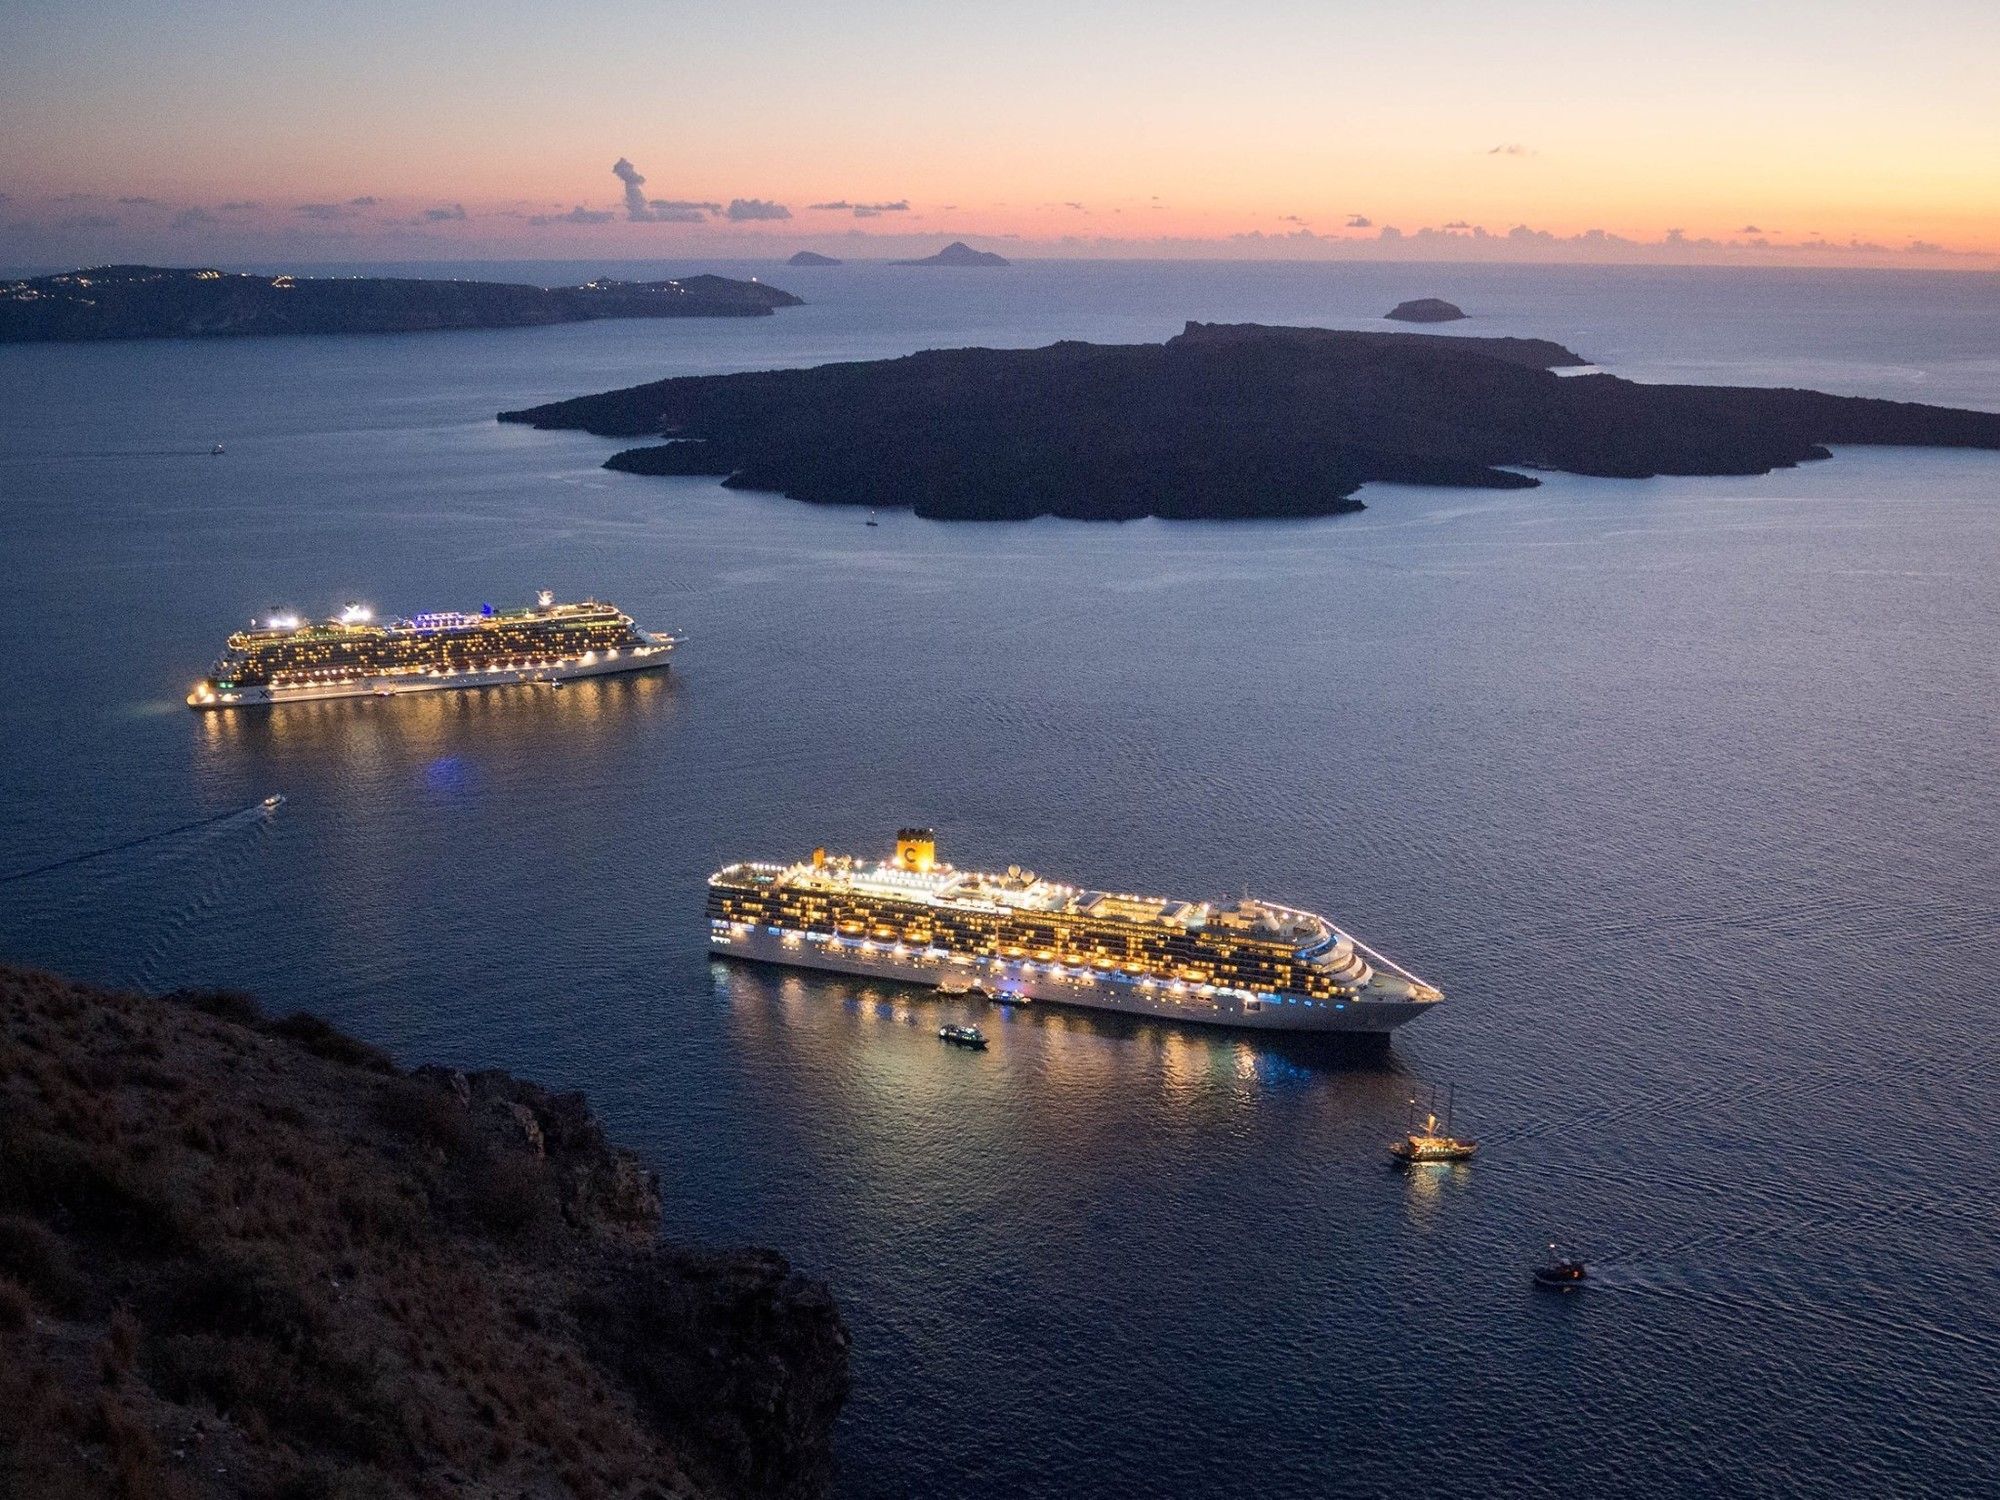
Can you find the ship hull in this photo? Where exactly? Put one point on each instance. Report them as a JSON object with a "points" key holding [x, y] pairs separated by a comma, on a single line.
{"points": [[1156, 1000], [397, 686]]}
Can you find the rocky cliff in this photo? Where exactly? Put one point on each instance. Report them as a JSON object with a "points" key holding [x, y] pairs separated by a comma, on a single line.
{"points": [[251, 1257]]}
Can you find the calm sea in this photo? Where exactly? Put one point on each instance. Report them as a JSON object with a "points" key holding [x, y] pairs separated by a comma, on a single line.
{"points": [[1685, 791]]}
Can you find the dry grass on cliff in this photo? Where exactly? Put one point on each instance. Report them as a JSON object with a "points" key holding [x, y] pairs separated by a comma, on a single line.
{"points": [[249, 1257]]}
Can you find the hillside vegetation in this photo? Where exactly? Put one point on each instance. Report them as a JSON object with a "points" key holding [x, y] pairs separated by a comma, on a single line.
{"points": [[242, 1256]]}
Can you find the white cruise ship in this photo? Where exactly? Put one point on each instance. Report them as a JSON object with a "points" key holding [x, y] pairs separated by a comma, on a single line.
{"points": [[1017, 936], [285, 659]]}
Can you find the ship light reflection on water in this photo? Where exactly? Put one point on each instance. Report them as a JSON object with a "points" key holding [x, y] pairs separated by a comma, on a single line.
{"points": [[449, 773], [354, 751], [786, 1013], [1425, 1189]]}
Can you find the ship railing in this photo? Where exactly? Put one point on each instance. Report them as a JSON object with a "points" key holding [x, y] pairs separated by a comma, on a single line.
{"points": [[1379, 960]]}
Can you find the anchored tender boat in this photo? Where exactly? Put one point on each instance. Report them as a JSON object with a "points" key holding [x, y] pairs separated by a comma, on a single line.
{"points": [[286, 659], [963, 1036], [1244, 963], [1560, 1273]]}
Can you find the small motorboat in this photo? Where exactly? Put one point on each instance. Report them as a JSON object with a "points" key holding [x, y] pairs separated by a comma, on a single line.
{"points": [[274, 802], [954, 984], [1428, 1143], [963, 1036], [1561, 1273], [871, 521], [216, 451]]}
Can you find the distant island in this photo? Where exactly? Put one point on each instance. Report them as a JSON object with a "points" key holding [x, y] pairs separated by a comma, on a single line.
{"points": [[252, 1256], [957, 253], [1221, 421], [154, 302], [812, 258], [1425, 310]]}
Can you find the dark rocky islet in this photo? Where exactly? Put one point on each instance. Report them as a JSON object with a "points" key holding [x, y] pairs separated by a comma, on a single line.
{"points": [[1425, 310], [1220, 422], [957, 253]]}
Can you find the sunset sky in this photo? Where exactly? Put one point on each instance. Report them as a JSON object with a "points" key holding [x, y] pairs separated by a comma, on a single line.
{"points": [[1790, 131]]}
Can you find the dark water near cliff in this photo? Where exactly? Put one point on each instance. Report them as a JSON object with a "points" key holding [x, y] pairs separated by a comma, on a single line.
{"points": [[1685, 791]]}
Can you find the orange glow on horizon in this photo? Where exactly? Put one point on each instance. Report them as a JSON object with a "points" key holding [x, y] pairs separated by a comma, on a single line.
{"points": [[1117, 128]]}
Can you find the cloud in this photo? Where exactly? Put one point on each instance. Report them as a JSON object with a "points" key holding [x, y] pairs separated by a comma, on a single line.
{"points": [[1514, 148], [323, 211], [84, 223], [1256, 236], [577, 215], [1457, 230], [862, 210], [637, 209], [445, 214], [682, 211], [1925, 247], [239, 206], [1749, 229], [640, 209], [192, 218], [1360, 221], [1077, 206], [139, 202]]}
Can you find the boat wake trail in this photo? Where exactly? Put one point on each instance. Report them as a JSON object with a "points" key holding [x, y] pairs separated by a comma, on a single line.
{"points": [[223, 862], [143, 839]]}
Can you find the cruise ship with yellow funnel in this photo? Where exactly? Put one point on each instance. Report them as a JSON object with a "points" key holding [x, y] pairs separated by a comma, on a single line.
{"points": [[1018, 936]]}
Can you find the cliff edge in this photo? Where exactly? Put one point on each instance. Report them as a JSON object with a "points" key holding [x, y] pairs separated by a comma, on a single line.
{"points": [[241, 1256]]}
